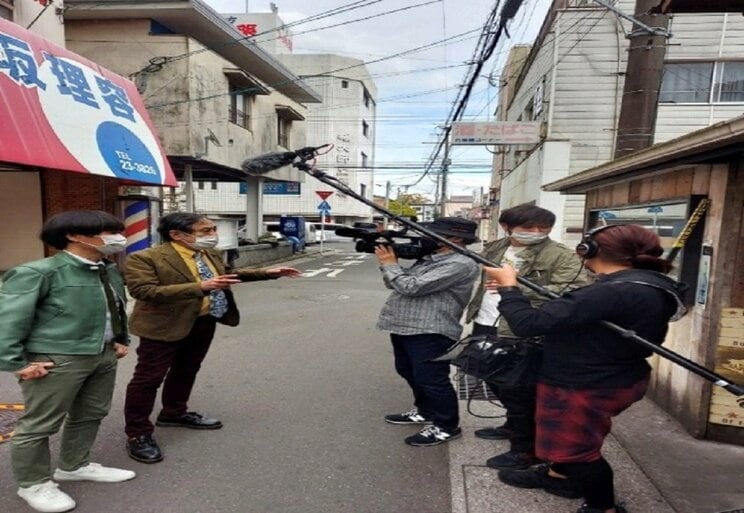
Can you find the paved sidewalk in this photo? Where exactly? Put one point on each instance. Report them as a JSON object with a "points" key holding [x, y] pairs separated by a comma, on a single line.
{"points": [[658, 468]]}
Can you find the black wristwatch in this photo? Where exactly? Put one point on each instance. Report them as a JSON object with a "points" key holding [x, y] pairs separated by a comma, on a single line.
{"points": [[510, 288]]}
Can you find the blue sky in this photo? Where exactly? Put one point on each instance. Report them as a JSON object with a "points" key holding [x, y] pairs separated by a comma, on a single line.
{"points": [[415, 91]]}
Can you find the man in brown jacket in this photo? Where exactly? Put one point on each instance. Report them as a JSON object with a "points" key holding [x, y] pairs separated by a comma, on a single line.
{"points": [[182, 292]]}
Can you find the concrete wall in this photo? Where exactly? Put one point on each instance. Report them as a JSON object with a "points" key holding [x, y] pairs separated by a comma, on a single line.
{"points": [[48, 25], [258, 255]]}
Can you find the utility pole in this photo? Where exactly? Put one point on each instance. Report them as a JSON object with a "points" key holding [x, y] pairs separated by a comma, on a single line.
{"points": [[387, 205], [445, 168], [646, 51]]}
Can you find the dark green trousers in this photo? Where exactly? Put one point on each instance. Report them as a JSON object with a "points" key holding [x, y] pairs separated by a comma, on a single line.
{"points": [[77, 391]]}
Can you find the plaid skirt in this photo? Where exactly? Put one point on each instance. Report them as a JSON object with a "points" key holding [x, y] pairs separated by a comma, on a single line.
{"points": [[572, 424]]}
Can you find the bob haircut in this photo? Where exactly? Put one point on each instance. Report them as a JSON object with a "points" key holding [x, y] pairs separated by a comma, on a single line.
{"points": [[77, 222], [179, 221], [527, 216]]}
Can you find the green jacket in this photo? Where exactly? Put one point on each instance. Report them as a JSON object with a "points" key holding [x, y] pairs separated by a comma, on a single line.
{"points": [[548, 264], [53, 306]]}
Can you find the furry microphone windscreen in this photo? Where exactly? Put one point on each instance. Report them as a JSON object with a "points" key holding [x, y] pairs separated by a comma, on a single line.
{"points": [[264, 163]]}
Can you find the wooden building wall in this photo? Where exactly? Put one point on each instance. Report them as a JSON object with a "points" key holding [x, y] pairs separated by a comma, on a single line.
{"points": [[681, 393]]}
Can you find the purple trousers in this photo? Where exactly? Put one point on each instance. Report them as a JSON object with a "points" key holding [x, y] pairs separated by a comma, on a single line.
{"points": [[173, 364]]}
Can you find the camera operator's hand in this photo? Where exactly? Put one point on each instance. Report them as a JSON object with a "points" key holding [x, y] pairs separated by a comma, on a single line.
{"points": [[386, 255]]}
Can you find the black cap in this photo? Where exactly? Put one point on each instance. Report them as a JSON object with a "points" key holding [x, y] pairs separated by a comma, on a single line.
{"points": [[454, 227]]}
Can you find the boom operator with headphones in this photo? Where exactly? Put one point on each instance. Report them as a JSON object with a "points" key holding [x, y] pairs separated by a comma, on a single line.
{"points": [[589, 247]]}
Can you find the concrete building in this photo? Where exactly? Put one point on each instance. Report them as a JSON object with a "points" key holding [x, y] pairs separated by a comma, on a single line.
{"points": [[72, 132], [345, 118], [215, 97], [458, 206], [572, 82]]}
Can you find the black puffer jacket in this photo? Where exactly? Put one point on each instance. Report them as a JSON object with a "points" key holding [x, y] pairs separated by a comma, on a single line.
{"points": [[581, 353]]}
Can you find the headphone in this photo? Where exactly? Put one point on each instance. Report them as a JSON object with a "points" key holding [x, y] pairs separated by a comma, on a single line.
{"points": [[588, 247]]}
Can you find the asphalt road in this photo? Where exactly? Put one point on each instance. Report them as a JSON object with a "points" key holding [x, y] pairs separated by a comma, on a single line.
{"points": [[301, 386]]}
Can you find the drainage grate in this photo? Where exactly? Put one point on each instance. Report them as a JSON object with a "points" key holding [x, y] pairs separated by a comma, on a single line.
{"points": [[9, 415]]}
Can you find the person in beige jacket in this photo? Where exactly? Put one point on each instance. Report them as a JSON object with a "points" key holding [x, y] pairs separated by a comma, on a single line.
{"points": [[182, 291], [544, 262]]}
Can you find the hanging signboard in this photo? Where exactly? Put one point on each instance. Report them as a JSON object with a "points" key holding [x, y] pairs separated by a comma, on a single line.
{"points": [[62, 111], [496, 132]]}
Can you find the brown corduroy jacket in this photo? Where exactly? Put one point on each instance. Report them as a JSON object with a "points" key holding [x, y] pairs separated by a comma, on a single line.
{"points": [[168, 296]]}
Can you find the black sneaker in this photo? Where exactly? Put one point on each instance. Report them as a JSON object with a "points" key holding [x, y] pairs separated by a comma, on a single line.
{"points": [[511, 460], [409, 417], [494, 433], [537, 477], [586, 509], [433, 435]]}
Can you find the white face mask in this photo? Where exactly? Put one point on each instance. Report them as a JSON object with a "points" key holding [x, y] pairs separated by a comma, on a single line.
{"points": [[204, 242], [112, 244], [529, 238]]}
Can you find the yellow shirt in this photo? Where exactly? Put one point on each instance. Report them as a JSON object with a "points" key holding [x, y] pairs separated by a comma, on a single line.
{"points": [[187, 254]]}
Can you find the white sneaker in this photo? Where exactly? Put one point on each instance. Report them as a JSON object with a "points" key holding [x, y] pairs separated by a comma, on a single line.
{"points": [[95, 472], [47, 497]]}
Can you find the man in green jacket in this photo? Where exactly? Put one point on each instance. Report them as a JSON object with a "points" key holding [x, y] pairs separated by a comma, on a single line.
{"points": [[547, 263], [63, 328]]}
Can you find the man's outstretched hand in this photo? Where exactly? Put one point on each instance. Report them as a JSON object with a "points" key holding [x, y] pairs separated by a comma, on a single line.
{"points": [[278, 272]]}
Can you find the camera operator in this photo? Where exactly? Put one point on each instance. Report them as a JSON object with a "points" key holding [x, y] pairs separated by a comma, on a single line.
{"points": [[549, 264], [423, 318]]}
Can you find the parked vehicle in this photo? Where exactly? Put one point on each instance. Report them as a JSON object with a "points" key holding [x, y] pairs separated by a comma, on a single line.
{"points": [[328, 234], [311, 234], [272, 228]]}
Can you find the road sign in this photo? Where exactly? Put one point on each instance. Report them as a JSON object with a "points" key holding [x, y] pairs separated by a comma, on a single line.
{"points": [[324, 194], [324, 206]]}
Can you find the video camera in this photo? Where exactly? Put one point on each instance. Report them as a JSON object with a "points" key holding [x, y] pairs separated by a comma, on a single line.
{"points": [[367, 239]]}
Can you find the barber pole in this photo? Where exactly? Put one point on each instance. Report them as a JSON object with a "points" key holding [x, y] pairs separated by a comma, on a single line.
{"points": [[137, 226]]}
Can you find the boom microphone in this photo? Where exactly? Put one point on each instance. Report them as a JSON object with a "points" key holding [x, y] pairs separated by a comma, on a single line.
{"points": [[268, 162]]}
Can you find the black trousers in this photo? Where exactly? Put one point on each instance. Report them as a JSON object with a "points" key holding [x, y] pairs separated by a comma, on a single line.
{"points": [[433, 393], [171, 364], [519, 403]]}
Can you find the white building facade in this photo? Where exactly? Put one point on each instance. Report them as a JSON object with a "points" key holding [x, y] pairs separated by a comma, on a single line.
{"points": [[346, 119], [572, 81]]}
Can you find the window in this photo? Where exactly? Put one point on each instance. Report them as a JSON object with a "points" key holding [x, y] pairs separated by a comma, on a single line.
{"points": [[283, 127], [703, 82], [200, 184], [344, 84], [363, 190], [285, 115], [241, 107], [214, 186], [365, 160], [729, 84], [366, 98], [686, 82], [667, 220], [365, 129], [6, 9]]}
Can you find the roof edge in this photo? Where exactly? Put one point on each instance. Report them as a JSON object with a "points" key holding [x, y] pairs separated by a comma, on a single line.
{"points": [[716, 140]]}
